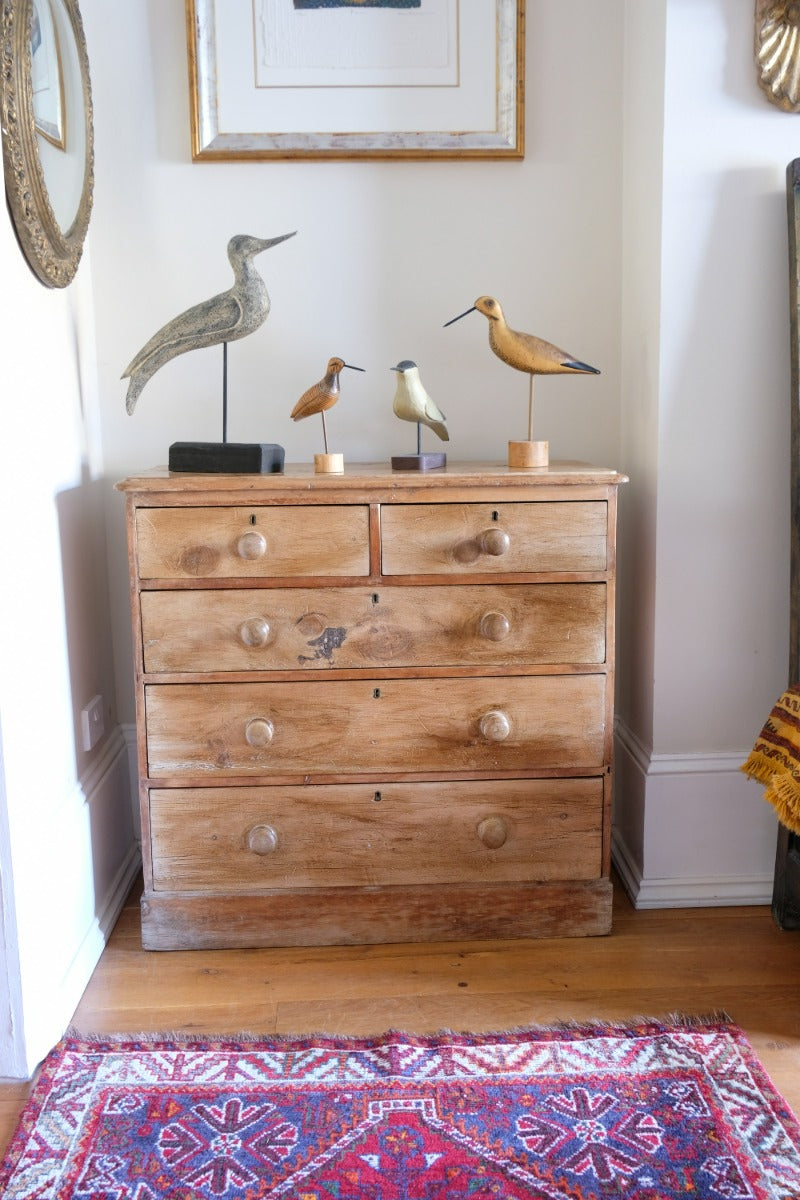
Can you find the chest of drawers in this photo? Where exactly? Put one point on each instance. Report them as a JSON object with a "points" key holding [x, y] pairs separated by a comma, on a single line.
{"points": [[373, 707]]}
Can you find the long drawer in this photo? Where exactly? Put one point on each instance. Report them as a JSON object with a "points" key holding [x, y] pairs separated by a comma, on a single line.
{"points": [[247, 838], [435, 539], [299, 628], [258, 542], [391, 726]]}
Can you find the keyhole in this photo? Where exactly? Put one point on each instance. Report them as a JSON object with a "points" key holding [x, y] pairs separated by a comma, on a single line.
{"points": [[495, 515], [377, 694], [377, 798], [375, 598], [252, 518]]}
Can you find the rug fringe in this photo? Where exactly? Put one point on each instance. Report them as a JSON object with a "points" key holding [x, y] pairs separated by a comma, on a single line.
{"points": [[597, 1028], [688, 1021]]}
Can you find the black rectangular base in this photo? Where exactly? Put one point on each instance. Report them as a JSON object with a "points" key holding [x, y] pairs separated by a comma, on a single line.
{"points": [[227, 458], [418, 462]]}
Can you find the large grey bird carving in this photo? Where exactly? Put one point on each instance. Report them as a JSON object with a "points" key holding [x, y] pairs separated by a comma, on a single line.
{"points": [[224, 318]]}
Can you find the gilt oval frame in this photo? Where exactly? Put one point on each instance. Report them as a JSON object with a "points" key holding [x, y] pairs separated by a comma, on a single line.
{"points": [[52, 253]]}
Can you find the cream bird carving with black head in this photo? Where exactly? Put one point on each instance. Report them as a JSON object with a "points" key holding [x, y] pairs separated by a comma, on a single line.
{"points": [[524, 351], [323, 395], [412, 402], [223, 318]]}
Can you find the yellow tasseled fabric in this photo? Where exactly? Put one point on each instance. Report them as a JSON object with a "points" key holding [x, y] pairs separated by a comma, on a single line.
{"points": [[775, 759]]}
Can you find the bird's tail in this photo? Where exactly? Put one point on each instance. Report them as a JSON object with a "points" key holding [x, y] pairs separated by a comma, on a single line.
{"points": [[134, 390], [440, 429]]}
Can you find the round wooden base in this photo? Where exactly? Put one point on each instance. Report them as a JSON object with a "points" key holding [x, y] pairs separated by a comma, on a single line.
{"points": [[523, 455], [329, 464]]}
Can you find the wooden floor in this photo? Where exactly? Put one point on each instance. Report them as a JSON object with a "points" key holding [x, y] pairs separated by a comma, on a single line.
{"points": [[692, 961]]}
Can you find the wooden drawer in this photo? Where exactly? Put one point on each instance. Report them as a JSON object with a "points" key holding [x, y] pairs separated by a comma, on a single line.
{"points": [[258, 542], [297, 628], [435, 539], [246, 839], [392, 726]]}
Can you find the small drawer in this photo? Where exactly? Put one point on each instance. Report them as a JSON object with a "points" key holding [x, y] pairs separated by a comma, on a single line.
{"points": [[390, 726], [459, 539], [287, 629], [258, 542], [247, 839]]}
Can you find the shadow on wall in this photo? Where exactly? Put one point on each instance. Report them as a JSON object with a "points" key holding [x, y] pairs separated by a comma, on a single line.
{"points": [[101, 754]]}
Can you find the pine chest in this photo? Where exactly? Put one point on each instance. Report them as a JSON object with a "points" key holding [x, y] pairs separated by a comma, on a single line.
{"points": [[373, 707]]}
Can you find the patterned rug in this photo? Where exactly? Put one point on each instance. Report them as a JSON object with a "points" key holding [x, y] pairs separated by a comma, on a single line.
{"points": [[644, 1112]]}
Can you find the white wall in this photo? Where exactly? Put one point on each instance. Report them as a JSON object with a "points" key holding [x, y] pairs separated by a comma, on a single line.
{"points": [[67, 854], [663, 264], [385, 254], [709, 560]]}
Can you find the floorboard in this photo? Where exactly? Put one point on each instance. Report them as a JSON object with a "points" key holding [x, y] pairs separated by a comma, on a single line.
{"points": [[655, 963]]}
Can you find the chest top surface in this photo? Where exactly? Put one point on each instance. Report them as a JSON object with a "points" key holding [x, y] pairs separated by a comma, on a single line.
{"points": [[298, 480]]}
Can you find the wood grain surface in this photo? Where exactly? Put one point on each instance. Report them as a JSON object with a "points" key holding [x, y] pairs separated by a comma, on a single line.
{"points": [[290, 629], [248, 839], [396, 726]]}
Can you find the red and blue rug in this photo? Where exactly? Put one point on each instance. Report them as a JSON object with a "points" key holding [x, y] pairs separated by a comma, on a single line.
{"points": [[645, 1112]]}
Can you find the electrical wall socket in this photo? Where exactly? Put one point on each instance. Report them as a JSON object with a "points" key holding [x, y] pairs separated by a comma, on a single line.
{"points": [[93, 724]]}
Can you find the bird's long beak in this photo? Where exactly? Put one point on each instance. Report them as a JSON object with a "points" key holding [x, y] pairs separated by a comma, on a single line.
{"points": [[352, 368], [458, 318], [268, 243]]}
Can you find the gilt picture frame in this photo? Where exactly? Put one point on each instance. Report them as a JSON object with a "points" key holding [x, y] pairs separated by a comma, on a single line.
{"points": [[441, 79]]}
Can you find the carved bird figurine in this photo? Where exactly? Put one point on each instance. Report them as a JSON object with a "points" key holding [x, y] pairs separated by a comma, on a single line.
{"points": [[523, 351], [224, 318], [412, 402], [323, 395]]}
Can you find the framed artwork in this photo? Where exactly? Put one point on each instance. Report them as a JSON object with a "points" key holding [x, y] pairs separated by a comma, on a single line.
{"points": [[356, 78]]}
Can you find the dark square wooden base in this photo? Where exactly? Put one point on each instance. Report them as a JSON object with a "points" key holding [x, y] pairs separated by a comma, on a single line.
{"points": [[227, 458], [418, 462]]}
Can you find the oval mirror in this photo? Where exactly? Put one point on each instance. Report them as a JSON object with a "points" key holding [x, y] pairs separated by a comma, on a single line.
{"points": [[47, 133]]}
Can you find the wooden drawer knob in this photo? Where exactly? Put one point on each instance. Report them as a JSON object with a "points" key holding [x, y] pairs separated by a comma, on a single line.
{"points": [[493, 832], [494, 542], [494, 726], [262, 839], [251, 545], [494, 626], [259, 732], [254, 632]]}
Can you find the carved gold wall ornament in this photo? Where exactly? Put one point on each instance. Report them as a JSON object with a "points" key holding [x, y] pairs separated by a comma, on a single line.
{"points": [[777, 50]]}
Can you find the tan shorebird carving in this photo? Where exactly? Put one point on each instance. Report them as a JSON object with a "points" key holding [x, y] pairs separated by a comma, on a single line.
{"points": [[323, 395], [523, 351]]}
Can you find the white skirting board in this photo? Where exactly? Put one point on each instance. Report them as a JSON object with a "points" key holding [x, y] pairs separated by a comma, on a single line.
{"points": [[690, 830], [685, 892]]}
